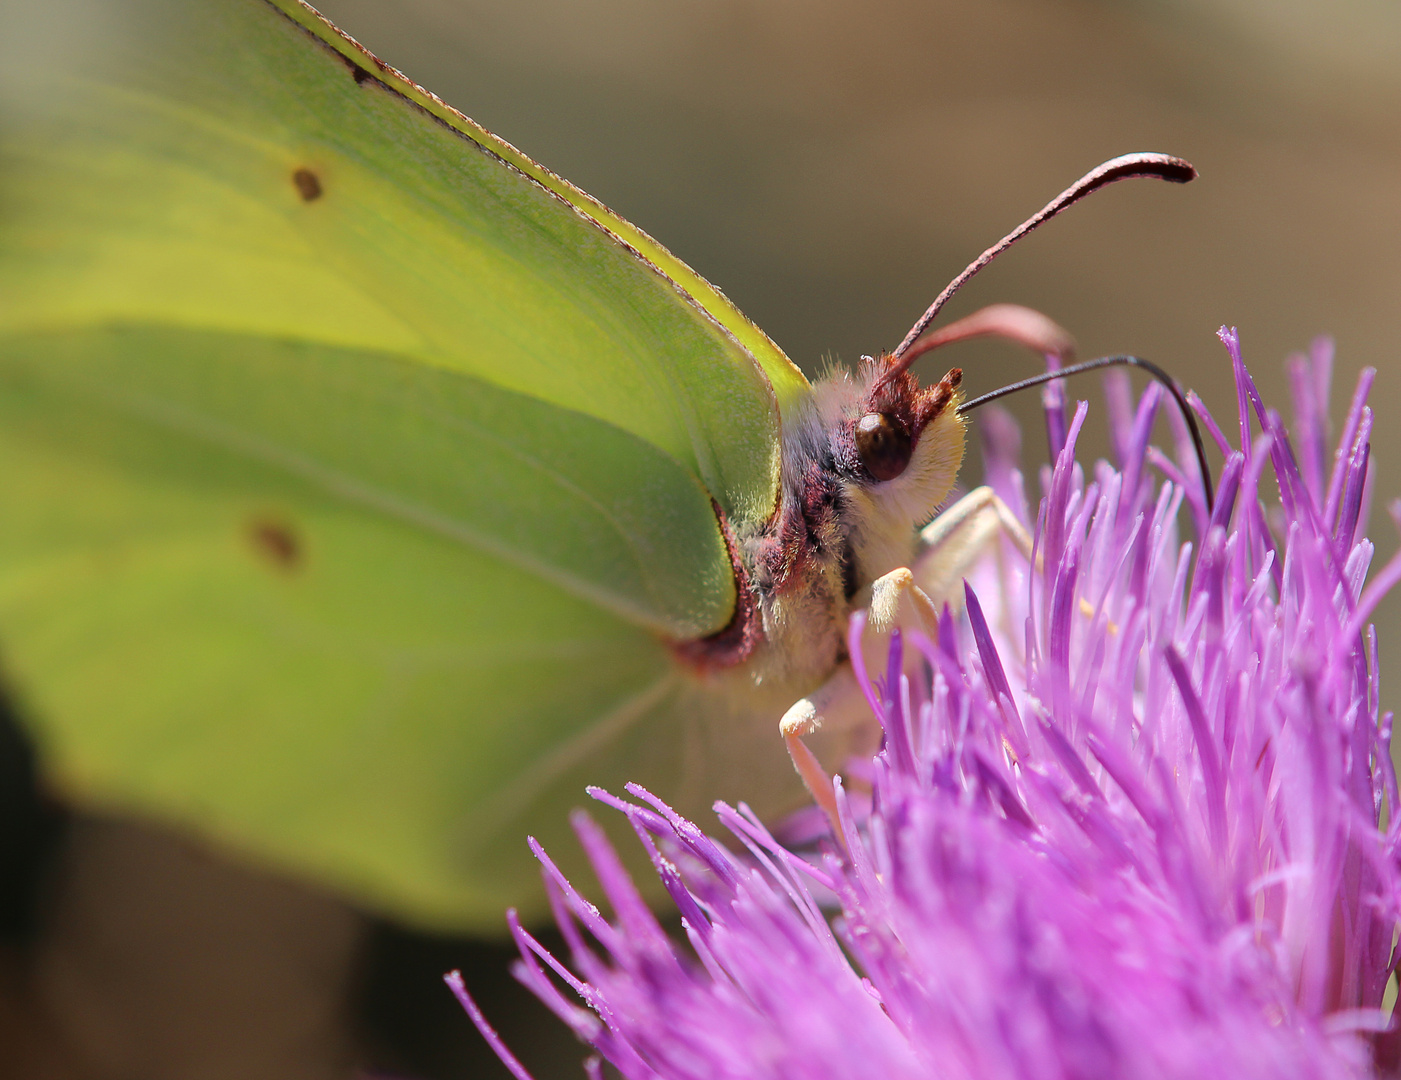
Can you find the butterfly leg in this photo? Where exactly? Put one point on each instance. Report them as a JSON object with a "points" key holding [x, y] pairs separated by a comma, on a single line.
{"points": [[839, 705], [910, 597], [897, 602], [959, 537]]}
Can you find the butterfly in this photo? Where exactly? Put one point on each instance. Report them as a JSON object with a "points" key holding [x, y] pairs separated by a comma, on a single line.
{"points": [[369, 490]]}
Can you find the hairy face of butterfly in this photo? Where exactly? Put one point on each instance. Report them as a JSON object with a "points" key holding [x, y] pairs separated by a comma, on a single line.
{"points": [[897, 459], [869, 461]]}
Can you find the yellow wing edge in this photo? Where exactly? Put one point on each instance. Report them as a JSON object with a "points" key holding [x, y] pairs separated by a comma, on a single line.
{"points": [[785, 378]]}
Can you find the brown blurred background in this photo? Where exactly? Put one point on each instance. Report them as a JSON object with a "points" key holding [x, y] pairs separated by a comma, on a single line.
{"points": [[830, 166]]}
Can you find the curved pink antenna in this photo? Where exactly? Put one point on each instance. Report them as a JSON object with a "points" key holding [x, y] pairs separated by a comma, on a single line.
{"points": [[1011, 322], [1160, 166]]}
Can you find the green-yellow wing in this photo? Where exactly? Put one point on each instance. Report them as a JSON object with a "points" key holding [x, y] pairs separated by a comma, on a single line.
{"points": [[353, 468]]}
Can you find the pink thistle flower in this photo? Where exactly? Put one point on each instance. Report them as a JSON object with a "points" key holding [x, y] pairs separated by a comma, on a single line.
{"points": [[1125, 820]]}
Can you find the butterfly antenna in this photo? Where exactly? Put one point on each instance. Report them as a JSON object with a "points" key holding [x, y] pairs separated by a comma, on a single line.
{"points": [[1173, 387], [1161, 166]]}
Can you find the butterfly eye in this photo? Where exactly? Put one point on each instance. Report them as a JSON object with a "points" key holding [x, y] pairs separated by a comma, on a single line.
{"points": [[883, 445]]}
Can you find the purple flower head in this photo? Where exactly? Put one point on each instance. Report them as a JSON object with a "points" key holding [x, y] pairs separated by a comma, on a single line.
{"points": [[1124, 822]]}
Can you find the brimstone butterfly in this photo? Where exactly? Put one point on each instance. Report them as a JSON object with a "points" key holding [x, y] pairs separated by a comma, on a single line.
{"points": [[366, 490]]}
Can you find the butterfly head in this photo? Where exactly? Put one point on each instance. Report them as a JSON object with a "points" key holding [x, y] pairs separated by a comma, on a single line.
{"points": [[869, 458], [895, 414], [898, 451], [871, 461]]}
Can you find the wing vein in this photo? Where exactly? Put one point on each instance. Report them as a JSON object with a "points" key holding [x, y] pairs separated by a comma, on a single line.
{"points": [[199, 425], [511, 799]]}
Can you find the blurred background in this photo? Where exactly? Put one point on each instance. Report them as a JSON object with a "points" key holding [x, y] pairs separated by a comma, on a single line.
{"points": [[829, 166]]}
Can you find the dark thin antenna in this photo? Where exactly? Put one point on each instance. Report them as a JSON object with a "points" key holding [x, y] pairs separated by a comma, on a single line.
{"points": [[1161, 166], [1173, 388]]}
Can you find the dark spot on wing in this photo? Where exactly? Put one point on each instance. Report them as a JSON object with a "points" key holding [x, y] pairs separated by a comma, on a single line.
{"points": [[276, 542], [307, 183], [358, 73]]}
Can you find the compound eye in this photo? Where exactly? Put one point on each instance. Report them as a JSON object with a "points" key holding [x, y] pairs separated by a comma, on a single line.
{"points": [[883, 445]]}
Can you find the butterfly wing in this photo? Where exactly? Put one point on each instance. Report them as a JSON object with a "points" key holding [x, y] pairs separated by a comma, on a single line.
{"points": [[355, 467]]}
